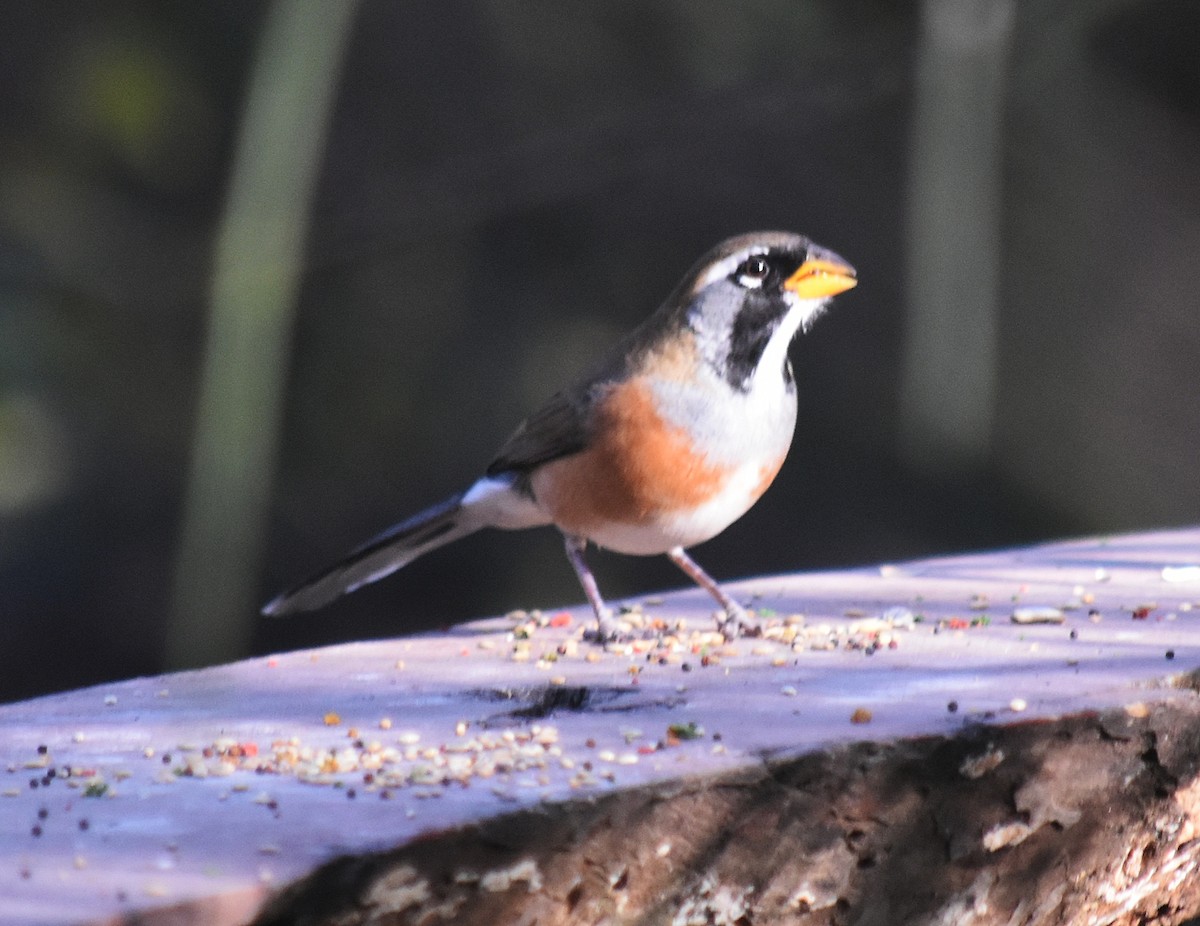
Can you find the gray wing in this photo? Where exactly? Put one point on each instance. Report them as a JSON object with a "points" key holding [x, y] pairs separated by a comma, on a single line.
{"points": [[562, 426], [558, 429]]}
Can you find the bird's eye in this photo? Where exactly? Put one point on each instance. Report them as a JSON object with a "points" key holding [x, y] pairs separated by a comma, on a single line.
{"points": [[753, 271]]}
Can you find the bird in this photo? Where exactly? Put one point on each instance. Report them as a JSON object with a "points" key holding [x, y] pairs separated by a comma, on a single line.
{"points": [[662, 443]]}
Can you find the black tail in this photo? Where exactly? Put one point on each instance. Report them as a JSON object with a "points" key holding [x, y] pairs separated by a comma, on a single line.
{"points": [[380, 557]]}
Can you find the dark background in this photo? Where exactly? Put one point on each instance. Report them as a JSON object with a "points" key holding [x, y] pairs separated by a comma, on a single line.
{"points": [[505, 189]]}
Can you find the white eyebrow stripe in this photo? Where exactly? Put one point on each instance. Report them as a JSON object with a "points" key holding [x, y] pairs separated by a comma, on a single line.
{"points": [[724, 267]]}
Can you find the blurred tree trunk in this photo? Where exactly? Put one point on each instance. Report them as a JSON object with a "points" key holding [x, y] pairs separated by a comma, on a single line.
{"points": [[948, 372], [256, 273]]}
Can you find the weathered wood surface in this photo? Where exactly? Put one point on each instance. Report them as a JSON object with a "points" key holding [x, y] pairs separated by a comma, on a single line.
{"points": [[903, 752]]}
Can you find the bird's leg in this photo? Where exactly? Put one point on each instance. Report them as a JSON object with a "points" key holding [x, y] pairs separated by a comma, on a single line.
{"points": [[606, 626], [737, 619]]}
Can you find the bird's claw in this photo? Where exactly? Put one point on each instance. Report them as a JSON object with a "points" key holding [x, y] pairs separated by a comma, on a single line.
{"points": [[738, 622]]}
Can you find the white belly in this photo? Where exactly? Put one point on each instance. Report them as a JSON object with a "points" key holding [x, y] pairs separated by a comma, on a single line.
{"points": [[688, 527]]}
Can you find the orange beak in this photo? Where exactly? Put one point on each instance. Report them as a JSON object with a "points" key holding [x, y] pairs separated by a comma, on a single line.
{"points": [[822, 276]]}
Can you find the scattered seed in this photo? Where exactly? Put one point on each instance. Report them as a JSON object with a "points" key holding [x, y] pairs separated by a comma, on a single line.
{"points": [[1181, 573], [1038, 615]]}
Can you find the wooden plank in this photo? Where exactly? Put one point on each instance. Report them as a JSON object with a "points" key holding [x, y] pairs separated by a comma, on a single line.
{"points": [[207, 793]]}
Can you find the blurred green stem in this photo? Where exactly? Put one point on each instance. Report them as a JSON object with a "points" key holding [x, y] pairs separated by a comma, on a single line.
{"points": [[256, 276]]}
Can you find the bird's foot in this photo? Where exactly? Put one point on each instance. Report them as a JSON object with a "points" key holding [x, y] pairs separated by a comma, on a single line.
{"points": [[735, 621], [607, 629]]}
